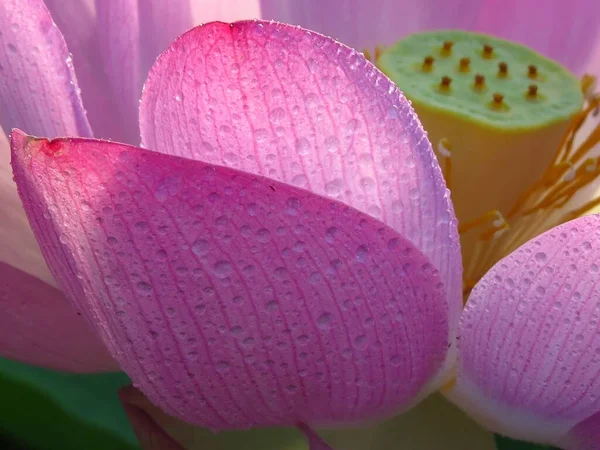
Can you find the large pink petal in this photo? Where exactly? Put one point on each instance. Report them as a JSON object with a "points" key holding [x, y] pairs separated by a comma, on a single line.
{"points": [[38, 88], [563, 30], [529, 352], [233, 300], [38, 326], [286, 103], [357, 23], [161, 21]]}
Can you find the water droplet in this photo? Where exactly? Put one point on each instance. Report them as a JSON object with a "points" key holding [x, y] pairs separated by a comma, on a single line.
{"points": [[330, 234], [272, 305], [332, 144], [540, 256], [360, 342], [303, 339], [263, 235], [248, 342], [303, 147], [362, 252], [222, 269], [179, 96], [222, 366], [277, 115], [261, 135], [144, 287], [324, 321], [200, 247], [334, 187]]}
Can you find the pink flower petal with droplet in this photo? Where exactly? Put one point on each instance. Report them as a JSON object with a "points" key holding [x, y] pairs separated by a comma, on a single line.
{"points": [[230, 299], [295, 106], [529, 349]]}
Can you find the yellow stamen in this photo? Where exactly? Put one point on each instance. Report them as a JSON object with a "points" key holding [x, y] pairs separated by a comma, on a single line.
{"points": [[444, 153], [518, 159]]}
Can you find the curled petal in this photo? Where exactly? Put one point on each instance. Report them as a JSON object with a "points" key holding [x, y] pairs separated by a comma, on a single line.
{"points": [[286, 103], [39, 90], [529, 349], [77, 21], [292, 307]]}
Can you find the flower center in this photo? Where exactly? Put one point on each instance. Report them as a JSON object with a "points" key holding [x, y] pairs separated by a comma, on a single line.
{"points": [[504, 122]]}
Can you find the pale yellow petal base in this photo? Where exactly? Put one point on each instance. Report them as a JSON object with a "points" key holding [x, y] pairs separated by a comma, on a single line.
{"points": [[434, 424]]}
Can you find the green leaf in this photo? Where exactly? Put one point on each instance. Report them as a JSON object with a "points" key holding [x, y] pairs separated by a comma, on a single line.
{"points": [[47, 410]]}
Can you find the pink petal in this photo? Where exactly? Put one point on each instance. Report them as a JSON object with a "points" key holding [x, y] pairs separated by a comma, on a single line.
{"points": [[19, 247], [529, 341], [119, 44], [357, 23], [161, 21], [584, 436], [562, 30], [286, 103], [38, 88], [233, 300], [38, 326], [224, 10], [76, 19]]}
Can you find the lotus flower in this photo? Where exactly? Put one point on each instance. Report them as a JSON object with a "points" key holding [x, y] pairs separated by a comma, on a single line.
{"points": [[282, 249]]}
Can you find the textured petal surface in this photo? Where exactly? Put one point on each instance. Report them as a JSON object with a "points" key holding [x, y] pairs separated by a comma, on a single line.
{"points": [[292, 307], [38, 88], [529, 352], [38, 326], [300, 108], [454, 430]]}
